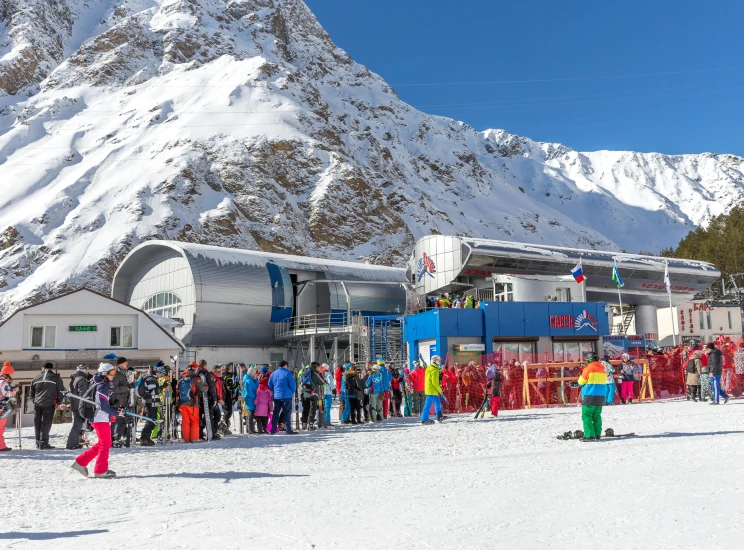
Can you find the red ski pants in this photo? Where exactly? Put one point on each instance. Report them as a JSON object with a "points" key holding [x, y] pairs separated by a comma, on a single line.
{"points": [[385, 403], [99, 451], [189, 423], [626, 390], [2, 433], [495, 400]]}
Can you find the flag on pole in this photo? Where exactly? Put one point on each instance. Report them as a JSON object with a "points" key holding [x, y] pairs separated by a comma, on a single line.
{"points": [[578, 273], [667, 282], [616, 275]]}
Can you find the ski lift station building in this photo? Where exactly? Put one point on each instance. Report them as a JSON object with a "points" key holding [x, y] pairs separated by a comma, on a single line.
{"points": [[257, 307]]}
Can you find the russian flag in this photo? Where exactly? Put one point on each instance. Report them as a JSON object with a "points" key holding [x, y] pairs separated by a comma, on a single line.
{"points": [[578, 274]]}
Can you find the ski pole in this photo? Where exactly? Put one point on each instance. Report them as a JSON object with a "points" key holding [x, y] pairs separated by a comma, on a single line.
{"points": [[68, 394]]}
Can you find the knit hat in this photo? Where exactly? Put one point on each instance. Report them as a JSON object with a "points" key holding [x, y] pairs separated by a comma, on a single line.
{"points": [[710, 345], [48, 365], [7, 369], [121, 360]]}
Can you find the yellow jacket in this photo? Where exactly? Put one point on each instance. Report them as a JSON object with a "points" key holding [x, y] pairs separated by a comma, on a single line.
{"points": [[431, 381]]}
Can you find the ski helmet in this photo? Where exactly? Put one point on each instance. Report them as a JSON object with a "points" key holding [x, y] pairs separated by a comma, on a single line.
{"points": [[625, 357], [347, 366], [106, 368], [159, 370], [590, 358], [264, 369]]}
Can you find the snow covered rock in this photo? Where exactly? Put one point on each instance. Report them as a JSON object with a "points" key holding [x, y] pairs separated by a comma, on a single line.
{"points": [[240, 123]]}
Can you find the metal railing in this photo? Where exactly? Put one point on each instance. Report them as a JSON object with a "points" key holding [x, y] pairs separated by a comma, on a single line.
{"points": [[322, 323]]}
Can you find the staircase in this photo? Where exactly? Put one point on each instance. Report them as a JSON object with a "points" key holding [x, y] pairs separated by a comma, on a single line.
{"points": [[386, 338]]}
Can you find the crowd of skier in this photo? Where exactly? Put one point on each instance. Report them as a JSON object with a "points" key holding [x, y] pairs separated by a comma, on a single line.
{"points": [[199, 404]]}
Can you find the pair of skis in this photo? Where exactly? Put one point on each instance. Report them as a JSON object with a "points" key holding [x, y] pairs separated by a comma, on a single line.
{"points": [[126, 412]]}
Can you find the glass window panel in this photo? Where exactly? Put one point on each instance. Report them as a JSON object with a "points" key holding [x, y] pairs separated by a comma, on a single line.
{"points": [[115, 337], [573, 353], [37, 336], [559, 355], [729, 321], [127, 337], [161, 300], [701, 320], [707, 318], [586, 347], [527, 352], [50, 336]]}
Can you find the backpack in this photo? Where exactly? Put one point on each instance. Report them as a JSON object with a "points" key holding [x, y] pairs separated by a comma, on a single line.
{"points": [[85, 409], [306, 376], [691, 366], [185, 387]]}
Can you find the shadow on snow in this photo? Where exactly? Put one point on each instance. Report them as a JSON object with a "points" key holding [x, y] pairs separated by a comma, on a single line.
{"points": [[50, 536]]}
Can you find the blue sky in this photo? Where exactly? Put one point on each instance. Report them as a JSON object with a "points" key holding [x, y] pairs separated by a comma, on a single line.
{"points": [[444, 57]]}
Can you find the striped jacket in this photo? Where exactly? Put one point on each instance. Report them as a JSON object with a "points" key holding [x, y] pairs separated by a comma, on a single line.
{"points": [[594, 381]]}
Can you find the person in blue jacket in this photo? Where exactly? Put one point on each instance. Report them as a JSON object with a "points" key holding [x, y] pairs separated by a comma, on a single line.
{"points": [[283, 386], [250, 387], [374, 390], [345, 397], [386, 379]]}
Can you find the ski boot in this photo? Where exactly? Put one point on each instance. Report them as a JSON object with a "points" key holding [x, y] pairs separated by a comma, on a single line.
{"points": [[726, 400], [45, 446], [108, 474], [588, 439], [427, 422], [146, 442]]}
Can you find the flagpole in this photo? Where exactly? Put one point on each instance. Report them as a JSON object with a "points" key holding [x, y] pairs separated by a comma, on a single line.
{"points": [[622, 321], [669, 293], [583, 283]]}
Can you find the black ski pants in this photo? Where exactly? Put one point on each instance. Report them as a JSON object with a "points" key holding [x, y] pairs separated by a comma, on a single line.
{"points": [[151, 411], [694, 392], [397, 399], [365, 407], [356, 410], [313, 413], [43, 423], [305, 409], [76, 432], [119, 428]]}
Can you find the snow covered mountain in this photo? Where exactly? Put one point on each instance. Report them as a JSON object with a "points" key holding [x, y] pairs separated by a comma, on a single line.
{"points": [[240, 123]]}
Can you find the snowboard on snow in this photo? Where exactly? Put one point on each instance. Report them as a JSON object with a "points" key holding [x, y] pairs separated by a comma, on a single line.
{"points": [[578, 434]]}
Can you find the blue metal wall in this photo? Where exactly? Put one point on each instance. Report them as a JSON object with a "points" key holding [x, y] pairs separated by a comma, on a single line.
{"points": [[504, 319]]}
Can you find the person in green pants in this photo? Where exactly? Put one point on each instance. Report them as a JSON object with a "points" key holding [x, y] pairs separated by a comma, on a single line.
{"points": [[593, 382]]}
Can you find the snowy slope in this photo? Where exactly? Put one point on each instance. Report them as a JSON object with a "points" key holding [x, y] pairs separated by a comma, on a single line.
{"points": [[240, 123], [505, 483]]}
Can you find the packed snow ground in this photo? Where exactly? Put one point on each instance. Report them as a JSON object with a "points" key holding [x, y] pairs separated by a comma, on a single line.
{"points": [[493, 483]]}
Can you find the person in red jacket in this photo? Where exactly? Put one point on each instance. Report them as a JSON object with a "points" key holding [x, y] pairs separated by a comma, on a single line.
{"points": [[417, 377]]}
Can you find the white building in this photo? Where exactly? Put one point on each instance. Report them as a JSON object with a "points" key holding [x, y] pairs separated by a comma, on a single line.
{"points": [[81, 328], [698, 319]]}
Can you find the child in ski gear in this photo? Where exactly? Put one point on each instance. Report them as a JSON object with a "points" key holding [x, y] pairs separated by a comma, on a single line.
{"points": [[693, 374], [264, 405], [374, 390], [45, 393], [593, 380], [283, 387], [250, 386], [417, 377], [101, 422], [78, 386], [715, 364], [6, 377], [433, 390], [627, 375], [190, 388], [610, 370], [495, 389]]}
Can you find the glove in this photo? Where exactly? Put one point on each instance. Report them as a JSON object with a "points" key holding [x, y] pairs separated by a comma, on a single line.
{"points": [[366, 392]]}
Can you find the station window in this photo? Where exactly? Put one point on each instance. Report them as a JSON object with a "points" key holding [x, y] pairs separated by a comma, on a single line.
{"points": [[503, 292], [516, 351], [43, 337], [701, 320], [707, 318], [165, 304], [729, 320], [121, 336]]}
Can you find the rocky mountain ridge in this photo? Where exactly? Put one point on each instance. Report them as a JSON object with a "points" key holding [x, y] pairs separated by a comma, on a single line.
{"points": [[240, 123]]}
